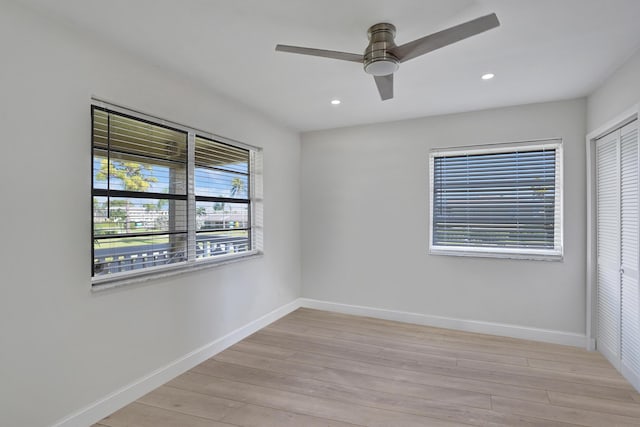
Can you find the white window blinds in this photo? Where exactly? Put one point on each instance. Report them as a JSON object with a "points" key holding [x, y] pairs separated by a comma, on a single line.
{"points": [[499, 201]]}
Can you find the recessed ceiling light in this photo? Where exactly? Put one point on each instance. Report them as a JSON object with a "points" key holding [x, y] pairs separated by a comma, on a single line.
{"points": [[488, 76], [335, 102]]}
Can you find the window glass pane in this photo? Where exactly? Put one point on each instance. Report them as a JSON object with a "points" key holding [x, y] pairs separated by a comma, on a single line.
{"points": [[217, 183], [114, 255], [212, 243], [221, 216], [117, 216], [135, 173]]}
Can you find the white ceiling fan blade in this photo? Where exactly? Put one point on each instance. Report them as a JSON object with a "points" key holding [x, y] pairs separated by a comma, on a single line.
{"points": [[385, 86], [344, 56], [443, 38]]}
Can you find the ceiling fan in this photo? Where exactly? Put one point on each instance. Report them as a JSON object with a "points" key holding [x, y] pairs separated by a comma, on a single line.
{"points": [[382, 57]]}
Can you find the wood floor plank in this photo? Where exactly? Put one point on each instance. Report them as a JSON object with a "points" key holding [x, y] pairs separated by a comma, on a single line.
{"points": [[347, 351], [419, 331], [409, 329], [296, 326], [140, 415], [302, 404], [601, 368], [437, 344], [394, 353], [331, 328], [342, 371], [259, 416], [456, 410], [301, 343], [190, 403], [315, 368], [329, 316], [457, 382], [400, 329], [347, 388], [269, 351], [322, 343], [502, 383], [631, 409], [614, 380], [458, 340], [563, 414], [374, 346]]}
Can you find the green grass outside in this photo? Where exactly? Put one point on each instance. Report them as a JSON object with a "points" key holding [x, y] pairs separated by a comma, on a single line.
{"points": [[124, 242]]}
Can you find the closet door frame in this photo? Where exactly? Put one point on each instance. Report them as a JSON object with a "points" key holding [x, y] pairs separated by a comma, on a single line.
{"points": [[618, 122]]}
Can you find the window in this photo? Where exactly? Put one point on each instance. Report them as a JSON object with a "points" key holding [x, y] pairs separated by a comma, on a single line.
{"points": [[502, 201], [166, 196]]}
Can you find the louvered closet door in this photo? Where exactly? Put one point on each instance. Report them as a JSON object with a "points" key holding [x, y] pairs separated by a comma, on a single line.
{"points": [[629, 221], [608, 246]]}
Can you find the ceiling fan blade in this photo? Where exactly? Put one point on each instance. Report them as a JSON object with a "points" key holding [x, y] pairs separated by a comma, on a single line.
{"points": [[385, 86], [344, 56], [446, 37]]}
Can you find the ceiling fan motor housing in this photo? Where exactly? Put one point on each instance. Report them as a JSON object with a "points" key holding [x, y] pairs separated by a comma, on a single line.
{"points": [[378, 61]]}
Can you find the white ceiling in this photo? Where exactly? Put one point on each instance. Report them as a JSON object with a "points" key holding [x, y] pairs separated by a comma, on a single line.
{"points": [[544, 50]]}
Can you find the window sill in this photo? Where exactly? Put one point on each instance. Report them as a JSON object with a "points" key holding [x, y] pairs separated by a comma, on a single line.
{"points": [[116, 280], [472, 252]]}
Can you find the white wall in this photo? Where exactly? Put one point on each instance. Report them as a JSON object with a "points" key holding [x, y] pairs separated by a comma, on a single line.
{"points": [[616, 94], [365, 222], [62, 346]]}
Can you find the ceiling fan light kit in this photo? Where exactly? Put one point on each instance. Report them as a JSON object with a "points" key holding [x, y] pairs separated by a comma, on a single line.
{"points": [[378, 59], [382, 57]]}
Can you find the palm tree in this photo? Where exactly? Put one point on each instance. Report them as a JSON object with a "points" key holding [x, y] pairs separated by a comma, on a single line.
{"points": [[237, 187]]}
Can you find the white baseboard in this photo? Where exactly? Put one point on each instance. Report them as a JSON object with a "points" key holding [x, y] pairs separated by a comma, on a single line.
{"points": [[127, 394], [501, 329]]}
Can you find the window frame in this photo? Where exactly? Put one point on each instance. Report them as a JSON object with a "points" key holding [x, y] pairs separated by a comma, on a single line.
{"points": [[555, 254], [253, 201]]}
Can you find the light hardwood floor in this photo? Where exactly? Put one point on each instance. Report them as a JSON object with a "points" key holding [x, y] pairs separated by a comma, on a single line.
{"points": [[315, 368]]}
